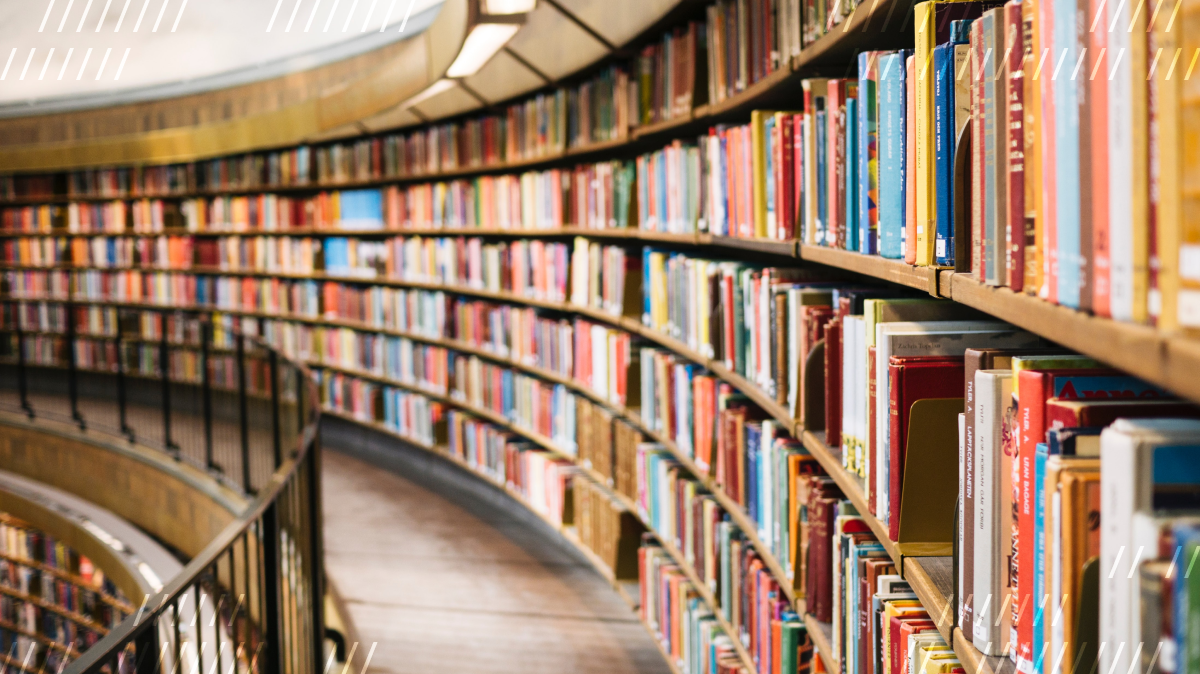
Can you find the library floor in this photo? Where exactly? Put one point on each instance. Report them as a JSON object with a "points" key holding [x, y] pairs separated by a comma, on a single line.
{"points": [[444, 581]]}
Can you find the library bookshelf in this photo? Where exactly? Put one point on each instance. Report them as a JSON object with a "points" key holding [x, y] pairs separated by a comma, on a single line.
{"points": [[1166, 359]]}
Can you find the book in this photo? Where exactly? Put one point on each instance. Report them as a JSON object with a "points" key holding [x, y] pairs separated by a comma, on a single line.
{"points": [[892, 153], [993, 475], [1139, 456]]}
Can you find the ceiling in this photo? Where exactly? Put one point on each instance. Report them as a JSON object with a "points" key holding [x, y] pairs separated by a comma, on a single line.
{"points": [[152, 49]]}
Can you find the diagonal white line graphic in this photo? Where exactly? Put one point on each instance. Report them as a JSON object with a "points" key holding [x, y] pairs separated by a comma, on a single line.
{"points": [[87, 55], [27, 61], [45, 65], [271, 23], [160, 15], [103, 62], [295, 9], [122, 19], [407, 13], [121, 67], [86, 8], [312, 16], [175, 26], [387, 17], [65, 14], [141, 16], [331, 12], [370, 11], [103, 15], [62, 71], [353, 6], [6, 65], [46, 16]]}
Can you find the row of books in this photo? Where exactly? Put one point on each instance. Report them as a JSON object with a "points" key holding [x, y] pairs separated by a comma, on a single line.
{"points": [[177, 252], [685, 625], [1057, 443]]}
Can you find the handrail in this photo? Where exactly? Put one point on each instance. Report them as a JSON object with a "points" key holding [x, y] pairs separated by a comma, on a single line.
{"points": [[256, 588]]}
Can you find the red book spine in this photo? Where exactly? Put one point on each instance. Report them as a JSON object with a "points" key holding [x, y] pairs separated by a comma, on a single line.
{"points": [[1015, 136], [913, 379], [896, 433], [1031, 395]]}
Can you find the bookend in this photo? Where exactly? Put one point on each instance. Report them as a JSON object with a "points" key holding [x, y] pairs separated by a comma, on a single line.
{"points": [[930, 493], [1087, 619]]}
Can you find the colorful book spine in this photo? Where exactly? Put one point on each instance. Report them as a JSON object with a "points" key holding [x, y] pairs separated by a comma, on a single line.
{"points": [[892, 153], [943, 142]]}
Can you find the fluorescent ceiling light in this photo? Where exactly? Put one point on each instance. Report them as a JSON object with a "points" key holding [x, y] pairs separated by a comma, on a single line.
{"points": [[508, 6], [484, 41], [430, 91]]}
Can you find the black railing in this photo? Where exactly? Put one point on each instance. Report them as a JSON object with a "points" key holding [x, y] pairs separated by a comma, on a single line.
{"points": [[221, 400]]}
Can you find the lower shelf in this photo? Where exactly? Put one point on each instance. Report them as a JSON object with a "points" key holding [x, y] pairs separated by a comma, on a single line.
{"points": [[932, 578]]}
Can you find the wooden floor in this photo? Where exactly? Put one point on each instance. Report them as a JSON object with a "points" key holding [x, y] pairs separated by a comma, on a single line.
{"points": [[445, 582]]}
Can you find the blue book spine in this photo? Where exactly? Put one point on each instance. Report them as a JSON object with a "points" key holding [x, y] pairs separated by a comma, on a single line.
{"points": [[852, 175], [753, 439], [1066, 153], [648, 293], [1039, 553], [863, 121], [891, 154], [943, 132]]}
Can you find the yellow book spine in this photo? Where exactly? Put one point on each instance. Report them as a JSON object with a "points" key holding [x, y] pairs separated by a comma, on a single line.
{"points": [[1141, 161], [926, 37], [1188, 300], [1167, 84], [758, 145]]}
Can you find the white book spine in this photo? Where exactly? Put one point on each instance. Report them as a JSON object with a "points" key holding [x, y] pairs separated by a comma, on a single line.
{"points": [[1120, 173], [962, 514], [1117, 590], [993, 536]]}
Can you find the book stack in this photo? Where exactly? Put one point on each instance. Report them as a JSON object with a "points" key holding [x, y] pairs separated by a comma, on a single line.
{"points": [[52, 599]]}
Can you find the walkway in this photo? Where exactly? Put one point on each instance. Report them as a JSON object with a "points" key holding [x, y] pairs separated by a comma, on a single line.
{"points": [[448, 576]]}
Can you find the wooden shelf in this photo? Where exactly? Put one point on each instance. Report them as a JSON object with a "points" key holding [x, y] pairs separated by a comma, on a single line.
{"points": [[893, 271], [879, 24], [933, 581]]}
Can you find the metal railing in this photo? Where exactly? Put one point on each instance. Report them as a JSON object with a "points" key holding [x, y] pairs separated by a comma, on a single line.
{"points": [[217, 398]]}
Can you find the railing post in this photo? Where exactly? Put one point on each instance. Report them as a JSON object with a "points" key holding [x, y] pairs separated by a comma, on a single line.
{"points": [[146, 660], [272, 577], [206, 388], [122, 417], [72, 368], [164, 363], [22, 384], [276, 440], [243, 414], [316, 553], [301, 413]]}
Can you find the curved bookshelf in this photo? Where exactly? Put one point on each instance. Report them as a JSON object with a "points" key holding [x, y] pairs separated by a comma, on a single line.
{"points": [[1164, 359]]}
